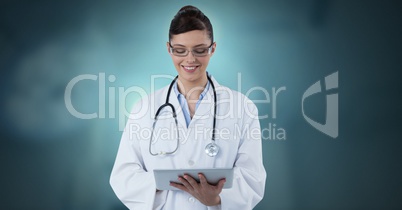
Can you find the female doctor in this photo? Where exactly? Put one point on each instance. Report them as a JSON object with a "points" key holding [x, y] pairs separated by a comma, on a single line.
{"points": [[209, 126]]}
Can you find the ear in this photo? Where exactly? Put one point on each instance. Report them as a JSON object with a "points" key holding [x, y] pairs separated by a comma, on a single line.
{"points": [[168, 47], [213, 48]]}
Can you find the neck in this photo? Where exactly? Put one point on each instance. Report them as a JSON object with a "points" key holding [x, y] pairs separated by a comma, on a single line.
{"points": [[192, 89]]}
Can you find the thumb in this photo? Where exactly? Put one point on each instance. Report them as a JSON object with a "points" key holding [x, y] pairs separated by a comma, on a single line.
{"points": [[221, 183]]}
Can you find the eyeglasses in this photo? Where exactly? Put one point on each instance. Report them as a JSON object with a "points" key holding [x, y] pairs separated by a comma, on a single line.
{"points": [[197, 52]]}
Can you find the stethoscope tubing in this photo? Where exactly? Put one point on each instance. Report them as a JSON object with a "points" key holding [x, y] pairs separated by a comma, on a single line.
{"points": [[167, 104]]}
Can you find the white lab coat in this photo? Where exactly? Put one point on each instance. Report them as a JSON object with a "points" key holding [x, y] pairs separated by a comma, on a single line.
{"points": [[238, 137]]}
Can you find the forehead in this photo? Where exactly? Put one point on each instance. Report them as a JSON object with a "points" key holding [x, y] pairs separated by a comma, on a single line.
{"points": [[191, 38]]}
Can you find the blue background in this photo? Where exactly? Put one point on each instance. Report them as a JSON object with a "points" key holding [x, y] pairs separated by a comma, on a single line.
{"points": [[52, 160]]}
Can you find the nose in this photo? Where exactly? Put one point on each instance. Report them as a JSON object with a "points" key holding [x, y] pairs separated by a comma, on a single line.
{"points": [[190, 57]]}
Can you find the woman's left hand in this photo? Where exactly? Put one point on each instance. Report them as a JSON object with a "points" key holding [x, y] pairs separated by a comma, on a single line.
{"points": [[203, 191]]}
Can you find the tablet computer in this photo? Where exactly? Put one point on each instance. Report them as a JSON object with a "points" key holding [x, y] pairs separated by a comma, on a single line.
{"points": [[163, 177]]}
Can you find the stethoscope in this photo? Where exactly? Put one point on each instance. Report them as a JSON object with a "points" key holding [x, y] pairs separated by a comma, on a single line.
{"points": [[211, 149]]}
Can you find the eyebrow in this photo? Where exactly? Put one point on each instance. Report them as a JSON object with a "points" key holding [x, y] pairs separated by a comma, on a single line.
{"points": [[198, 45]]}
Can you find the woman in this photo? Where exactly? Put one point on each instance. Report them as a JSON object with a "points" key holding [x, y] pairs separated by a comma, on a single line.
{"points": [[236, 134]]}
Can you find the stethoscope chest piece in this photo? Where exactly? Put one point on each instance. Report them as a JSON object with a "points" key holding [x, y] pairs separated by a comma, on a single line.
{"points": [[212, 149]]}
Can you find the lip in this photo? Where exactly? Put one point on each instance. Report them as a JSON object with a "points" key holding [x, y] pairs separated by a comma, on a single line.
{"points": [[190, 69]]}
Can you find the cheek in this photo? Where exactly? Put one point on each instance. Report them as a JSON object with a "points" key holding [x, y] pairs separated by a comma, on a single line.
{"points": [[204, 60], [176, 60]]}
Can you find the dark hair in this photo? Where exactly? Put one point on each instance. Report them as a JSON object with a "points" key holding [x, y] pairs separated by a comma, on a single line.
{"points": [[190, 18]]}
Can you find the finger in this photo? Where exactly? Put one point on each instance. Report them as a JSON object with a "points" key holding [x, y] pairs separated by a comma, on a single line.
{"points": [[203, 179], [179, 186], [185, 183], [191, 180]]}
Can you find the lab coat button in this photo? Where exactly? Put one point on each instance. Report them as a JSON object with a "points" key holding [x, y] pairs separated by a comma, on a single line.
{"points": [[191, 199], [190, 162]]}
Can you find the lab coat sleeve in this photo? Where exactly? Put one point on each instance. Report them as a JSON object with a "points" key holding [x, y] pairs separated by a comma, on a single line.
{"points": [[249, 172], [132, 184]]}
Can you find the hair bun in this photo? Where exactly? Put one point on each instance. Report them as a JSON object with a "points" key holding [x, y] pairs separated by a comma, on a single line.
{"points": [[189, 8], [190, 18]]}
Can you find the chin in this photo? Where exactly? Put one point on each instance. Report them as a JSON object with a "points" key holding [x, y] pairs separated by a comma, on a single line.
{"points": [[193, 76]]}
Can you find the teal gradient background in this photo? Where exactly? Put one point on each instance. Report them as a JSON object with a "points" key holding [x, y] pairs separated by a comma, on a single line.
{"points": [[52, 160]]}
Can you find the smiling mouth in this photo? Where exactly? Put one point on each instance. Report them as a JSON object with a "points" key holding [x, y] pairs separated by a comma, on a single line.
{"points": [[190, 68]]}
